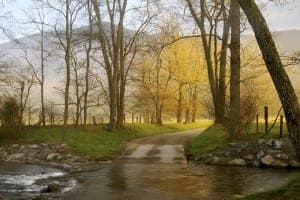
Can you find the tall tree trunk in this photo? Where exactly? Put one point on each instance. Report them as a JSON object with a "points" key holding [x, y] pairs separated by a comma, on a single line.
{"points": [[235, 66], [43, 77], [68, 65], [223, 61], [276, 69], [87, 72], [194, 104], [179, 106]]}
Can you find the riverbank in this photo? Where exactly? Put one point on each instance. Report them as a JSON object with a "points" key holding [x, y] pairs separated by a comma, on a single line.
{"points": [[212, 147], [290, 191], [82, 144]]}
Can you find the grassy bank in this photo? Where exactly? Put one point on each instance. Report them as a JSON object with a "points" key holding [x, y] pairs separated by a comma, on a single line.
{"points": [[212, 138], [94, 141], [216, 137], [291, 191]]}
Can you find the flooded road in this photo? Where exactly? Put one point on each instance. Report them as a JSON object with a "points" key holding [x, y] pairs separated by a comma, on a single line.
{"points": [[155, 168], [141, 180], [151, 168]]}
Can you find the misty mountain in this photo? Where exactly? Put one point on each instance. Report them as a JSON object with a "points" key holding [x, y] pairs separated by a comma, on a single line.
{"points": [[287, 41]]}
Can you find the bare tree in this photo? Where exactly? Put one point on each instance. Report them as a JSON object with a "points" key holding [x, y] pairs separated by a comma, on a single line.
{"points": [[69, 11], [118, 50], [216, 65]]}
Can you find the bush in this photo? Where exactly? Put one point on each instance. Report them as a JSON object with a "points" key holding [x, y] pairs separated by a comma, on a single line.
{"points": [[9, 112], [249, 109]]}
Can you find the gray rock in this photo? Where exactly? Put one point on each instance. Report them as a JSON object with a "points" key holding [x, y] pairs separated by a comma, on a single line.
{"points": [[34, 146], [67, 167], [15, 157], [267, 160], [256, 163], [3, 154], [219, 161], [237, 162], [53, 156], [273, 152], [294, 164], [261, 141], [278, 163], [15, 146], [260, 155], [270, 142], [227, 154], [277, 144], [248, 157], [233, 144], [52, 187], [282, 156]]}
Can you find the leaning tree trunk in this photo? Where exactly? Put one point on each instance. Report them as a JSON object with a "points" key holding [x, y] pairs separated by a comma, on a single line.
{"points": [[276, 69], [235, 67]]}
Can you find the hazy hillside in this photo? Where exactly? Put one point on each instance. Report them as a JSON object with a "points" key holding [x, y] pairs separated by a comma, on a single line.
{"points": [[287, 42]]}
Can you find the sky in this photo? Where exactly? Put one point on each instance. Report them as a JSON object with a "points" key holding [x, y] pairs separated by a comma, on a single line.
{"points": [[279, 17]]}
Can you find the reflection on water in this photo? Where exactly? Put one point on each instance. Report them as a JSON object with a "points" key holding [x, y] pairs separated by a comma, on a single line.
{"points": [[136, 180], [140, 180]]}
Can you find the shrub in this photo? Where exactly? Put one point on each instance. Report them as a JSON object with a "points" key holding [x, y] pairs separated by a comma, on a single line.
{"points": [[9, 112]]}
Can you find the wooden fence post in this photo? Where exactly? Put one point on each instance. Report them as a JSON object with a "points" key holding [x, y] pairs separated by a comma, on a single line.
{"points": [[94, 120], [132, 118], [281, 126], [266, 119], [257, 128]]}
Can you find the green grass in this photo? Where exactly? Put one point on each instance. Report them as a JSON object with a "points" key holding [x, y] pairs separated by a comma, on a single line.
{"points": [[217, 137], [274, 133], [291, 191], [212, 138], [94, 141]]}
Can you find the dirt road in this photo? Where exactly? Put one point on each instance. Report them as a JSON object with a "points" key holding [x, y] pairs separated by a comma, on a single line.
{"points": [[166, 148]]}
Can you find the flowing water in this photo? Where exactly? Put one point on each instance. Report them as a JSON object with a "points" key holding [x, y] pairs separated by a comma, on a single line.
{"points": [[155, 169]]}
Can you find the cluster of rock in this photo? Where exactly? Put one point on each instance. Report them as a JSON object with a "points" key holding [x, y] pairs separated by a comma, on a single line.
{"points": [[58, 155], [259, 153]]}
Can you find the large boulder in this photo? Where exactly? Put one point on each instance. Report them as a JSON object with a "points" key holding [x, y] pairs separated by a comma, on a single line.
{"points": [[237, 162], [267, 160]]}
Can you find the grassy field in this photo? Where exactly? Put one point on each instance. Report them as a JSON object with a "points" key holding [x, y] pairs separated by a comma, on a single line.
{"points": [[94, 141]]}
